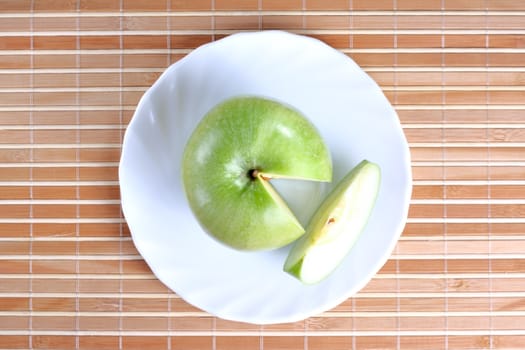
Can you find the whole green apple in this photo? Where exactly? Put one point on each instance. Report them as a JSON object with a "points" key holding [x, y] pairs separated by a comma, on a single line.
{"points": [[336, 225], [229, 160]]}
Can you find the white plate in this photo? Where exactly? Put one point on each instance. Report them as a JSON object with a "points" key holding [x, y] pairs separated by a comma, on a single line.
{"points": [[352, 115]]}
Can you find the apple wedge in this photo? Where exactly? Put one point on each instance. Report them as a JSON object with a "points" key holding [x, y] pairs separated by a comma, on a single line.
{"points": [[229, 160], [336, 225]]}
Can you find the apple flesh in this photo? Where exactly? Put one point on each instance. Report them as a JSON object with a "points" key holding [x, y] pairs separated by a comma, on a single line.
{"points": [[336, 225], [229, 160]]}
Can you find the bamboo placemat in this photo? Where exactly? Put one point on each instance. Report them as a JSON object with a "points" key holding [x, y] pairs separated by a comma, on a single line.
{"points": [[71, 74]]}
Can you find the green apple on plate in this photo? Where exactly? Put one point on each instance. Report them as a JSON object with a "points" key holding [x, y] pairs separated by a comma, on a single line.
{"points": [[229, 160], [336, 225]]}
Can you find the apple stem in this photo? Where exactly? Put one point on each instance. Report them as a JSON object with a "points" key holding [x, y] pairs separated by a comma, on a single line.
{"points": [[253, 173]]}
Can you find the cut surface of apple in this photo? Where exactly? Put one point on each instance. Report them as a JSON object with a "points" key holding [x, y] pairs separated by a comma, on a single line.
{"points": [[229, 160], [336, 225]]}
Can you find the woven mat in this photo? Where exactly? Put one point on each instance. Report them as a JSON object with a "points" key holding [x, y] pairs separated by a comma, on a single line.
{"points": [[71, 74]]}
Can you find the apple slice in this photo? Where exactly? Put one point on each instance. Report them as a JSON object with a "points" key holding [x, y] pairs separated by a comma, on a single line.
{"points": [[229, 160], [336, 225]]}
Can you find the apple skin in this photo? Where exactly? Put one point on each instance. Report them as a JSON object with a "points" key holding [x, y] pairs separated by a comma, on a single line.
{"points": [[229, 159], [336, 225]]}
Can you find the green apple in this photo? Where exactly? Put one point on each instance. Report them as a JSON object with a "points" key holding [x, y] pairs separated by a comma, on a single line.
{"points": [[336, 225], [229, 160]]}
